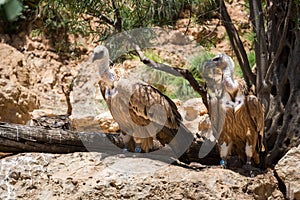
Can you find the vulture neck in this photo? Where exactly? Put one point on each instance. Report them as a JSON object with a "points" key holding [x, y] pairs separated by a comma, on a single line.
{"points": [[231, 85], [108, 78]]}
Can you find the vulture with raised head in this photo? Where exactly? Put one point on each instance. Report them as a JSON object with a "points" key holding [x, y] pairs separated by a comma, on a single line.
{"points": [[142, 112], [237, 118]]}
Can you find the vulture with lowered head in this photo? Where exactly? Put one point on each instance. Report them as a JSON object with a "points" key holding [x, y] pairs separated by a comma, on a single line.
{"points": [[237, 118], [142, 112]]}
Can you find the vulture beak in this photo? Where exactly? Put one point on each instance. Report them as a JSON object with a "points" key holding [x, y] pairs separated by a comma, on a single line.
{"points": [[93, 58]]}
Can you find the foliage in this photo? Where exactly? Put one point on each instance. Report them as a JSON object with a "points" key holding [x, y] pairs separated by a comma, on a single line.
{"points": [[10, 9], [251, 58], [204, 9], [117, 15]]}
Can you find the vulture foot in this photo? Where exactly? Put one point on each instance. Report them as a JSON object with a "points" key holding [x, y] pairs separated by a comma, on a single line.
{"points": [[137, 150], [223, 163], [125, 150]]}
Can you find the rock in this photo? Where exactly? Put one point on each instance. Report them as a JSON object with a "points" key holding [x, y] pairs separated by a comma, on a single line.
{"points": [[107, 123], [41, 112], [16, 103], [30, 46], [16, 98], [288, 170], [52, 122], [204, 123], [92, 175], [193, 113], [193, 108], [86, 99]]}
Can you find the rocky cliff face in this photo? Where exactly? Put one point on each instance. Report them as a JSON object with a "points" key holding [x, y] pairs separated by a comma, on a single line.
{"points": [[16, 98]]}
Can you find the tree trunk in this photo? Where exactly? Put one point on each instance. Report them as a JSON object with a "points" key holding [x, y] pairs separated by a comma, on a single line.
{"points": [[16, 138], [282, 79]]}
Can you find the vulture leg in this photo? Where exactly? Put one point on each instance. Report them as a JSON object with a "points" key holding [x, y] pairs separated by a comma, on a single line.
{"points": [[250, 148], [249, 153], [138, 148], [225, 150], [144, 144], [128, 142]]}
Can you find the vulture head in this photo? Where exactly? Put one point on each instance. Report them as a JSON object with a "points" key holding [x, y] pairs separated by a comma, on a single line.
{"points": [[101, 59], [225, 64]]}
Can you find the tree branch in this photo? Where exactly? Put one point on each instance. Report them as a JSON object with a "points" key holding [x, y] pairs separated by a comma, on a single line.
{"points": [[261, 50], [236, 44], [107, 20], [174, 71], [118, 23], [281, 44]]}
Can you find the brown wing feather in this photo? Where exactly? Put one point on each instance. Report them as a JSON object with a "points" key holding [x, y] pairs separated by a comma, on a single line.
{"points": [[144, 97]]}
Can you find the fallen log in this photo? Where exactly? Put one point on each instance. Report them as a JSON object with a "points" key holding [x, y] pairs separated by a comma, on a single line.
{"points": [[15, 138]]}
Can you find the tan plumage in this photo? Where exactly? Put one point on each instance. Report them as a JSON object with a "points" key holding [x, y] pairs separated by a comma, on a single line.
{"points": [[142, 112], [237, 119]]}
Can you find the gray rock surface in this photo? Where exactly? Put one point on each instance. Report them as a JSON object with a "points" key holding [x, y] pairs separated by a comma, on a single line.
{"points": [[288, 170]]}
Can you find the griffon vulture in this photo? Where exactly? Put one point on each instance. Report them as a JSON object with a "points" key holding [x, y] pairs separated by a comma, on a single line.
{"points": [[237, 119], [142, 112]]}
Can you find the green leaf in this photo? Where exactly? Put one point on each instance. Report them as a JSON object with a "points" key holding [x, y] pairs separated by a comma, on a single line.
{"points": [[12, 9]]}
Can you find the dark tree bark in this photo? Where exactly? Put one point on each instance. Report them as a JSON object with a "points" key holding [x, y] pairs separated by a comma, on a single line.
{"points": [[282, 115]]}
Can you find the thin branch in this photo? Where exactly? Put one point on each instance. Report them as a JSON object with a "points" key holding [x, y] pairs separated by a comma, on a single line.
{"points": [[107, 20], [175, 71], [118, 24], [236, 44], [213, 31], [190, 20], [281, 44], [67, 92], [261, 50]]}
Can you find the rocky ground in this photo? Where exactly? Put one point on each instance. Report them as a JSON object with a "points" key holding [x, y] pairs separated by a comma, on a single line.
{"points": [[31, 81], [95, 176]]}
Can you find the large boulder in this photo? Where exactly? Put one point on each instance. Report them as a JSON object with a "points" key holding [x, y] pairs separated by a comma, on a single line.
{"points": [[193, 112], [288, 170], [99, 176]]}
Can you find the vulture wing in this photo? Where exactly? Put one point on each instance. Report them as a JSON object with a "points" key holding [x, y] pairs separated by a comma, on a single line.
{"points": [[146, 97], [256, 112]]}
